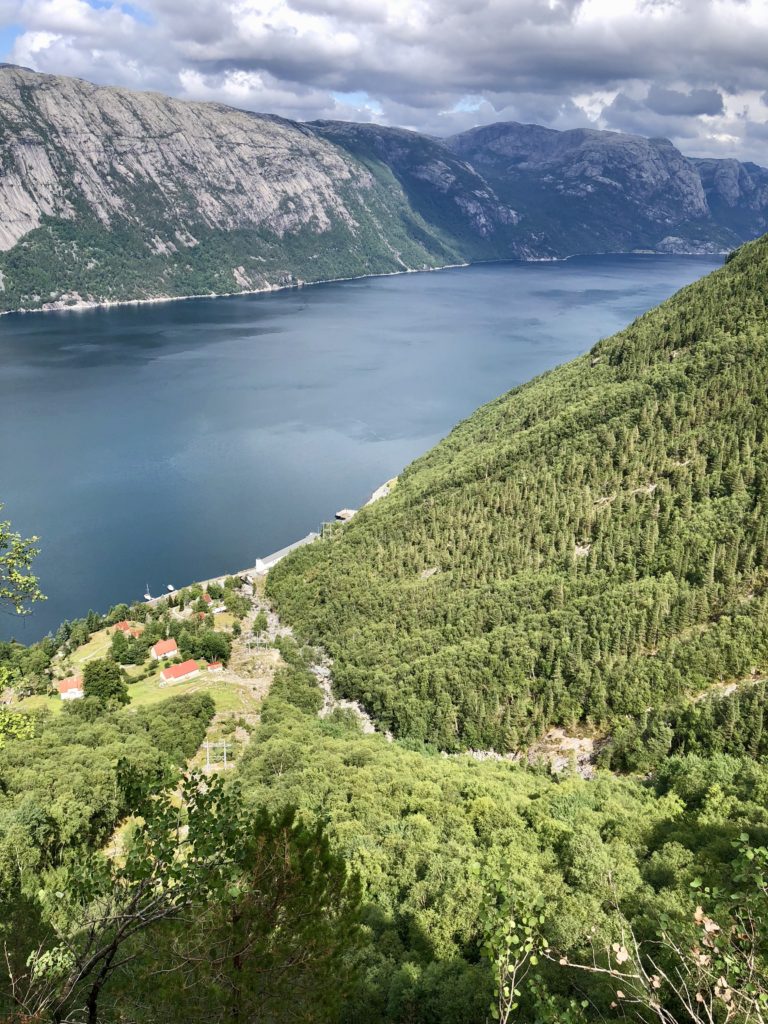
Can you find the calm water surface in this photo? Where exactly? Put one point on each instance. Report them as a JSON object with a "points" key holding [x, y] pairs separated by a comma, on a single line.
{"points": [[168, 443]]}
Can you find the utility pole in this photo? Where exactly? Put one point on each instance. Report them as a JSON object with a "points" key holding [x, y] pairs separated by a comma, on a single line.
{"points": [[214, 746]]}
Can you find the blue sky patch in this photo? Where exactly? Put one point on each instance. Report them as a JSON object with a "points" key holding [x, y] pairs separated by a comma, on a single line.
{"points": [[8, 35], [133, 10]]}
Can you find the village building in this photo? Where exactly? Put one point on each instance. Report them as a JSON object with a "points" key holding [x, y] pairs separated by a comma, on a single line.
{"points": [[179, 673], [207, 598], [165, 649], [71, 688], [215, 666], [129, 630]]}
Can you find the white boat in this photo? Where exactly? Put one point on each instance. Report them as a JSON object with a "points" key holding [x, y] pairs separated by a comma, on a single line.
{"points": [[147, 595]]}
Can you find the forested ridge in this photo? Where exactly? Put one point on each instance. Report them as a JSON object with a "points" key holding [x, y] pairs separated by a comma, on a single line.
{"points": [[587, 547]]}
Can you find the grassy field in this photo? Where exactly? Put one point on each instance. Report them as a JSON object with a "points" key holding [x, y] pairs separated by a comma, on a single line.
{"points": [[41, 703], [97, 647], [233, 695], [229, 696]]}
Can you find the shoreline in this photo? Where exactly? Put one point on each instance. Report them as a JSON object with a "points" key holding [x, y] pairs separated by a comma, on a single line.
{"points": [[453, 266], [260, 568], [83, 306], [263, 565]]}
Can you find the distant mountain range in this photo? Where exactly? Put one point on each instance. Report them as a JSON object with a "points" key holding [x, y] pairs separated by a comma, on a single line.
{"points": [[108, 194]]}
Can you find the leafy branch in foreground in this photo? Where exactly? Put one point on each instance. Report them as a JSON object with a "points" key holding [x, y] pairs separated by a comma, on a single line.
{"points": [[18, 585], [513, 941], [96, 903], [244, 904], [706, 967]]}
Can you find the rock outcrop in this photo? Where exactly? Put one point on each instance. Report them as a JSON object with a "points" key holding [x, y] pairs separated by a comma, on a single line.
{"points": [[588, 191], [737, 194], [108, 194]]}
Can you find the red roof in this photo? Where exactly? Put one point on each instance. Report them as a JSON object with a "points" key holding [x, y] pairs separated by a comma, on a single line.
{"points": [[136, 633], [207, 598], [214, 666], [178, 671], [201, 615], [124, 626], [164, 647], [71, 683]]}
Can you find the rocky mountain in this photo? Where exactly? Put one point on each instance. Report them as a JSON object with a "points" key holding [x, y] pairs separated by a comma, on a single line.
{"points": [[737, 194], [108, 194], [586, 191], [444, 189], [112, 194]]}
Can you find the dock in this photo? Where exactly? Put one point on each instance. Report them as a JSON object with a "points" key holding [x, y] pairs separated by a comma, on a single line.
{"points": [[263, 565]]}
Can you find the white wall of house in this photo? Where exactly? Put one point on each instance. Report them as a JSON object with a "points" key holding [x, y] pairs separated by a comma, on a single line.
{"points": [[179, 679]]}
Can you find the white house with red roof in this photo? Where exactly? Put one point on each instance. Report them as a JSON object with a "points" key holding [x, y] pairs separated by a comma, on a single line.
{"points": [[71, 688], [215, 666], [165, 649], [179, 673]]}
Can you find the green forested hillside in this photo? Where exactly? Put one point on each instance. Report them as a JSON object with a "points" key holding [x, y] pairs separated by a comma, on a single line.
{"points": [[427, 835], [348, 879], [587, 547]]}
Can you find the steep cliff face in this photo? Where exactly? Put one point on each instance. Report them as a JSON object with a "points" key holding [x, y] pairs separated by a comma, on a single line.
{"points": [[737, 194], [116, 151], [585, 190], [171, 197], [647, 172], [108, 194], [448, 192]]}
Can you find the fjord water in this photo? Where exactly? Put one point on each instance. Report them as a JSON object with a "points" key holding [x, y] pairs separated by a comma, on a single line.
{"points": [[158, 444]]}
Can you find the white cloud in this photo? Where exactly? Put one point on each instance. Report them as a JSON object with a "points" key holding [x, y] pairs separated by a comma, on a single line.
{"points": [[692, 70]]}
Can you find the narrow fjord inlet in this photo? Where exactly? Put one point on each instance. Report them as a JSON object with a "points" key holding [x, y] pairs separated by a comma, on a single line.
{"points": [[151, 424]]}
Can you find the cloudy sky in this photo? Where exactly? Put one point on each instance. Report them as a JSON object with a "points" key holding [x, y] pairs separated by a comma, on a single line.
{"points": [[695, 71]]}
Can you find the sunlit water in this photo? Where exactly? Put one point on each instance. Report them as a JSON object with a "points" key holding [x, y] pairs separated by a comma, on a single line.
{"points": [[166, 443]]}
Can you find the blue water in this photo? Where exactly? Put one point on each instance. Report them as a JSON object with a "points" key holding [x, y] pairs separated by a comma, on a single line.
{"points": [[166, 443]]}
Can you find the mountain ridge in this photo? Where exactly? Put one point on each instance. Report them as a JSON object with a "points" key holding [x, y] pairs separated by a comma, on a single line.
{"points": [[108, 194]]}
